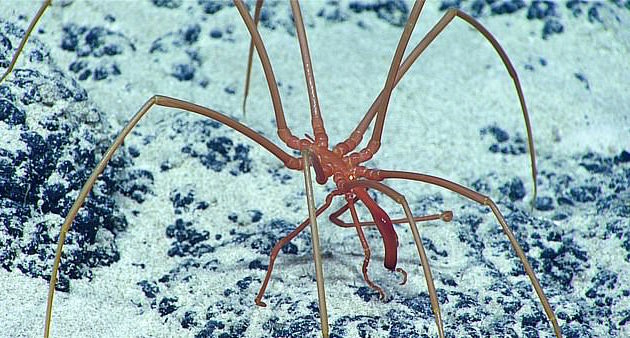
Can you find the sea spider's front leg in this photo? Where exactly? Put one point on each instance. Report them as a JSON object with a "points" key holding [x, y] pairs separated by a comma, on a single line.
{"points": [[156, 100]]}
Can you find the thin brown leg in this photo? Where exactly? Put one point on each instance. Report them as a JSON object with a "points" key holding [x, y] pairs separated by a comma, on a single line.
{"points": [[250, 55], [334, 217], [357, 135], [163, 101], [283, 130], [29, 30], [284, 241], [375, 142], [485, 200], [317, 122], [317, 258], [424, 260], [366, 249]]}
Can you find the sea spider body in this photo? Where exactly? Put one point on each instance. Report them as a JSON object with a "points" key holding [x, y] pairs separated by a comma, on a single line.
{"points": [[344, 168]]}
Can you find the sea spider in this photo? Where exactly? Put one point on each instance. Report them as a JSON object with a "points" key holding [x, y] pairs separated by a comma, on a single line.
{"points": [[341, 163]]}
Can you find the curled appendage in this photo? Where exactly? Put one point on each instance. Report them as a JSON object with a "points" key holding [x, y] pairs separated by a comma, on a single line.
{"points": [[446, 216], [381, 293], [366, 262], [404, 275]]}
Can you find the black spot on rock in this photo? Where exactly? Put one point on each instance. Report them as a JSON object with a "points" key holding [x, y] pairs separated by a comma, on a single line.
{"points": [[552, 26], [623, 157], [244, 283], [210, 6], [499, 134], [96, 42], [515, 189], [256, 215], [137, 184], [506, 6], [395, 12], [189, 320], [10, 114], [150, 289], [585, 193], [216, 33], [544, 203], [332, 12], [188, 241], [171, 4], [541, 10], [183, 72], [256, 264], [167, 306], [583, 79]]}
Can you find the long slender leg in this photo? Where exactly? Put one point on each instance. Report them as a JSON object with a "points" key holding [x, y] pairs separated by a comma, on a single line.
{"points": [[283, 130], [400, 199], [284, 241], [319, 131], [366, 248], [259, 4], [87, 187], [321, 293], [317, 122], [484, 200], [316, 119], [334, 217], [357, 135], [29, 30], [375, 142]]}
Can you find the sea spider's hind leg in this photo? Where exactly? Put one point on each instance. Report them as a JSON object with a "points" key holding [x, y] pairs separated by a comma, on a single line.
{"points": [[156, 100], [284, 241], [484, 200], [366, 248], [29, 30], [250, 55]]}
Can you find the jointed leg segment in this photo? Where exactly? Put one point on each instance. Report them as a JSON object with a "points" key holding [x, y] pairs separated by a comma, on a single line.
{"points": [[484, 200], [334, 217], [377, 106], [283, 130], [87, 187], [284, 241]]}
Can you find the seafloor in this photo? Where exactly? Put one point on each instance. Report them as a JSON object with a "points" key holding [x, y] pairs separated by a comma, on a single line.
{"points": [[175, 238]]}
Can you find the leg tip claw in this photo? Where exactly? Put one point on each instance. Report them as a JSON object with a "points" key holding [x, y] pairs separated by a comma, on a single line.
{"points": [[447, 216], [404, 275]]}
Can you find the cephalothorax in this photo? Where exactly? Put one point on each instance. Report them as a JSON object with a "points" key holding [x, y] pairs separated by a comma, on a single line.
{"points": [[341, 163]]}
